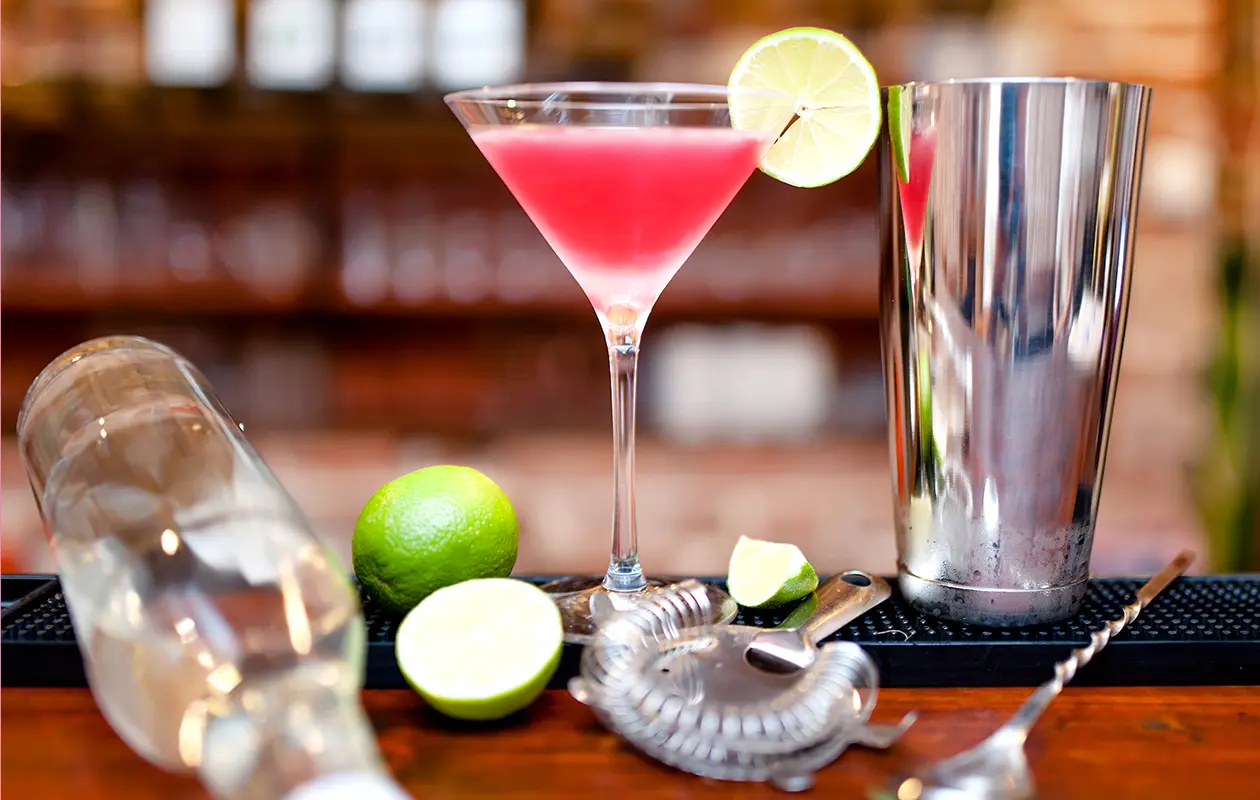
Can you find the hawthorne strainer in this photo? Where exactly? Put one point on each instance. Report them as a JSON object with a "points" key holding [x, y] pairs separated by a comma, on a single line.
{"points": [[682, 689]]}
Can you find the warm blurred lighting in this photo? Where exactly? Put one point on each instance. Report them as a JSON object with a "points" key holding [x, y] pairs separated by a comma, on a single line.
{"points": [[170, 542]]}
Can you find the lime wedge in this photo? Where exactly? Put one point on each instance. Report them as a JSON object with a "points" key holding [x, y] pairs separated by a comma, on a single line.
{"points": [[837, 104], [481, 649], [764, 574]]}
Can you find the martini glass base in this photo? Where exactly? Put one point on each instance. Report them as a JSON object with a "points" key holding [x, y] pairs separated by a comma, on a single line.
{"points": [[573, 597]]}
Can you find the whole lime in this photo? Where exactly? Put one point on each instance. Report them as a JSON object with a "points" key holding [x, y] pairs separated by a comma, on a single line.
{"points": [[432, 528]]}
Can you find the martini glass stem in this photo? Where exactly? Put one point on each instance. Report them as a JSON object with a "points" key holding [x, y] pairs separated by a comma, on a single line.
{"points": [[624, 571]]}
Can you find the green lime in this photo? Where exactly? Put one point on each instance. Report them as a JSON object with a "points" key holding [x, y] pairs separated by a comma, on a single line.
{"points": [[837, 104], [432, 528], [764, 574], [899, 131], [801, 614], [481, 649]]}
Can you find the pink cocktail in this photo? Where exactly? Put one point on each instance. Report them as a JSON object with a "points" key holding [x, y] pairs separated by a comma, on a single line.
{"points": [[623, 180], [623, 208]]}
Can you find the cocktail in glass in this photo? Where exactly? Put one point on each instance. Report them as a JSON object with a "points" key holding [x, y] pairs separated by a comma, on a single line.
{"points": [[623, 180]]}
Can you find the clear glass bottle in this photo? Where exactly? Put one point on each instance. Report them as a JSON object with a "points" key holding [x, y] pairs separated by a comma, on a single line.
{"points": [[218, 634]]}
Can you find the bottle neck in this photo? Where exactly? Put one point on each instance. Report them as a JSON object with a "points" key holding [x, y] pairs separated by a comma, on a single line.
{"points": [[356, 785]]}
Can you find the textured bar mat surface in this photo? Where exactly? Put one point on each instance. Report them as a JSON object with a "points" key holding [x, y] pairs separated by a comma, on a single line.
{"points": [[1201, 630]]}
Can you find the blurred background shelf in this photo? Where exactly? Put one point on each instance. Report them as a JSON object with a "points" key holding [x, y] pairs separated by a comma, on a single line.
{"points": [[56, 295], [275, 188]]}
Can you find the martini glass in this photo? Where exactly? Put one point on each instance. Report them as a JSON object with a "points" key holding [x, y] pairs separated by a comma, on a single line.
{"points": [[623, 180]]}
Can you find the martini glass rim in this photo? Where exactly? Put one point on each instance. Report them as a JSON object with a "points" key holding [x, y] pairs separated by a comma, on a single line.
{"points": [[576, 95]]}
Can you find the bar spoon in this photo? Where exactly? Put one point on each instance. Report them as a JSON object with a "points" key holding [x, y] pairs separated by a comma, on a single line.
{"points": [[997, 768]]}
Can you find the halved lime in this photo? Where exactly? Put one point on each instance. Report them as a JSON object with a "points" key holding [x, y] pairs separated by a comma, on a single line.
{"points": [[764, 574], [837, 103], [481, 649]]}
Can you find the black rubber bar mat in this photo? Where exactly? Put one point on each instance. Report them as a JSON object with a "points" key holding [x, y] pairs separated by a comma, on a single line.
{"points": [[1200, 631]]}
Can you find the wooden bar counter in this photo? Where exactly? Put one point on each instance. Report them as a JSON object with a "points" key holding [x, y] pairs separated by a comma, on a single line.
{"points": [[1195, 742]]}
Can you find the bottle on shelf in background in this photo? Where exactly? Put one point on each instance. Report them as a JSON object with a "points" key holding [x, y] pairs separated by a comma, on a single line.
{"points": [[477, 43], [291, 45], [384, 45], [190, 43], [192, 66]]}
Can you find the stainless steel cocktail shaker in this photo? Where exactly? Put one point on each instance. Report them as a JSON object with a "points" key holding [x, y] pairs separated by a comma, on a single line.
{"points": [[1007, 221]]}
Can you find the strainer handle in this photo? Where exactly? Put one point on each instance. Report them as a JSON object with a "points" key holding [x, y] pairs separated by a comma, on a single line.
{"points": [[842, 599]]}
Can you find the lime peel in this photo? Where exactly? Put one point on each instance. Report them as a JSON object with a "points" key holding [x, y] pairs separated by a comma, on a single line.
{"points": [[837, 104]]}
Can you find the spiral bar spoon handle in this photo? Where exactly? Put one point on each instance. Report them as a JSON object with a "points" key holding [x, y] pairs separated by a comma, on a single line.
{"points": [[1066, 669]]}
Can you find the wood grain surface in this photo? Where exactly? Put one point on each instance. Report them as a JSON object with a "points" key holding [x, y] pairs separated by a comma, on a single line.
{"points": [[1107, 743]]}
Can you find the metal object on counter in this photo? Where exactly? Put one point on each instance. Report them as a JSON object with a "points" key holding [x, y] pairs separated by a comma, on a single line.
{"points": [[997, 769], [837, 602], [1007, 214], [681, 689]]}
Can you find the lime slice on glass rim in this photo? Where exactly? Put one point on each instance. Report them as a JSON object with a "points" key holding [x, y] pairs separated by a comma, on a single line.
{"points": [[837, 100], [766, 574], [481, 649]]}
